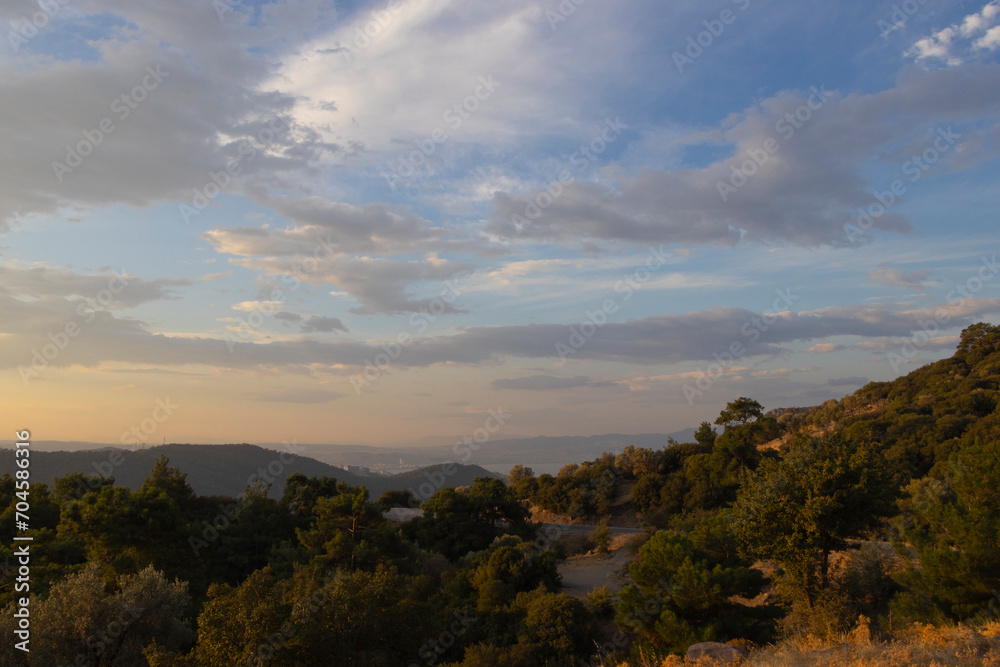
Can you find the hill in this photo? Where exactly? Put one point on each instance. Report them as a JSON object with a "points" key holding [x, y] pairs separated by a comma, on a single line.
{"points": [[227, 469], [924, 417], [559, 450]]}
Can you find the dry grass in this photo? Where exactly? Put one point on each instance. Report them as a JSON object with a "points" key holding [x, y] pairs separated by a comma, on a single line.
{"points": [[924, 645]]}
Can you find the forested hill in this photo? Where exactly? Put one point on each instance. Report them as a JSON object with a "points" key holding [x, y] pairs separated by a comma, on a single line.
{"points": [[927, 415], [223, 469]]}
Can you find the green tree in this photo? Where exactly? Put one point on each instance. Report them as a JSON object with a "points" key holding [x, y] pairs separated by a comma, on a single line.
{"points": [[456, 522], [705, 435], [602, 536], [800, 509], [954, 526], [397, 498], [351, 532], [81, 622], [518, 473], [740, 412], [235, 626], [684, 589]]}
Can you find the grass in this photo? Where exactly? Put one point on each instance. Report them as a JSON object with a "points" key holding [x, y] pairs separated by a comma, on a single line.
{"points": [[924, 645]]}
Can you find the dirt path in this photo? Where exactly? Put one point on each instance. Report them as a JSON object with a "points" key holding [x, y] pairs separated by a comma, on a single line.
{"points": [[582, 574]]}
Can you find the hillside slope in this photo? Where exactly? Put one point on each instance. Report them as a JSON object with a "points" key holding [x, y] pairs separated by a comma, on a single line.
{"points": [[227, 469], [927, 415]]}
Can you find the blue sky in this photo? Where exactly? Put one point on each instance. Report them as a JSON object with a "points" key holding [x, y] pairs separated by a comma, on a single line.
{"points": [[569, 211]]}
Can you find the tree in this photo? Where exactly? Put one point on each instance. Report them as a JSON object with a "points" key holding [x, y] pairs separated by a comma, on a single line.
{"points": [[684, 589], [954, 526], [455, 523], [705, 435], [170, 481], [235, 626], [301, 492], [602, 536], [80, 623], [397, 498], [802, 508], [979, 336], [740, 412], [510, 566], [350, 531], [517, 473]]}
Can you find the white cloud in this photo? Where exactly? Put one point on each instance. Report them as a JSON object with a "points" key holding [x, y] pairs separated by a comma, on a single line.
{"points": [[805, 193], [886, 275], [825, 348], [957, 43]]}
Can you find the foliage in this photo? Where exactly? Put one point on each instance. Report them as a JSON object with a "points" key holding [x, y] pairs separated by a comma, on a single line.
{"points": [[602, 536], [684, 590], [83, 620], [807, 505], [953, 524], [457, 522]]}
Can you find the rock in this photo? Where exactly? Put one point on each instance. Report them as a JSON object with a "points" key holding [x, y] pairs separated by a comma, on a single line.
{"points": [[722, 653]]}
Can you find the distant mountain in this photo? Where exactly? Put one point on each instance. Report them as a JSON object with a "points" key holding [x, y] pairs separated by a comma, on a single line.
{"points": [[224, 469], [227, 469], [527, 451]]}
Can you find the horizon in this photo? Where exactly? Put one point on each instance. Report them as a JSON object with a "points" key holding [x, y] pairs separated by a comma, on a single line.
{"points": [[375, 223]]}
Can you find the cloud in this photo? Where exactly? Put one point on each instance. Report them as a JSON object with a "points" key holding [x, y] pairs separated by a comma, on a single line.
{"points": [[803, 194], [320, 324], [205, 101], [825, 348], [323, 228], [259, 306], [886, 275], [106, 291], [848, 382], [958, 43], [541, 383], [302, 396], [29, 322], [321, 250], [894, 344], [451, 45]]}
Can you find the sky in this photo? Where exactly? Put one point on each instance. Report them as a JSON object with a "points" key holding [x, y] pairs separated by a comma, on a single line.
{"points": [[371, 222]]}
